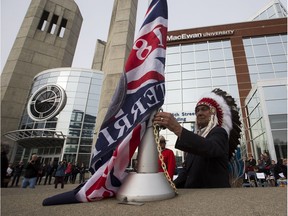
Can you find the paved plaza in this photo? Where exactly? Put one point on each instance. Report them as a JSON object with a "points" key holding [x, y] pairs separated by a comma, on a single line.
{"points": [[268, 201]]}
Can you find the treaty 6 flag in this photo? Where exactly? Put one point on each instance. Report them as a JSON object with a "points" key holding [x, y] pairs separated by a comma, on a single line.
{"points": [[140, 92]]}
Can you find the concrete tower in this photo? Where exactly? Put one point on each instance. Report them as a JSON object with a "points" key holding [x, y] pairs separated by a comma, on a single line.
{"points": [[110, 57], [47, 39]]}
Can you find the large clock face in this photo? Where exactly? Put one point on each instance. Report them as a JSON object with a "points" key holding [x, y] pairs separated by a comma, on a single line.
{"points": [[46, 102]]}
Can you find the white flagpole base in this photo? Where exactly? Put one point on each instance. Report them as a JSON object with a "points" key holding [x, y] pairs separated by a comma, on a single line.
{"points": [[145, 187], [147, 184]]}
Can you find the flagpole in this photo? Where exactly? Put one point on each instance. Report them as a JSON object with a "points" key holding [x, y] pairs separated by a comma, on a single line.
{"points": [[147, 184]]}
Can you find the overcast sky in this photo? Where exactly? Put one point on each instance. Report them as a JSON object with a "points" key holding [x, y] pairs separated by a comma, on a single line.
{"points": [[183, 14]]}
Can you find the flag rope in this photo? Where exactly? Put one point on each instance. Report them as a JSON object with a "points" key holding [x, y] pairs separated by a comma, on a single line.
{"points": [[156, 130]]}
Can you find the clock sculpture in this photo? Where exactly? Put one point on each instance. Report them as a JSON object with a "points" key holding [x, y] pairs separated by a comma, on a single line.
{"points": [[46, 102]]}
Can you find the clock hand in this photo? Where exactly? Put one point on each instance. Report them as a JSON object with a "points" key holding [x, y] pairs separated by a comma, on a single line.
{"points": [[48, 99]]}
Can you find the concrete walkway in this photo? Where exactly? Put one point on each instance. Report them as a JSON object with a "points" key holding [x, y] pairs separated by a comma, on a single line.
{"points": [[267, 201]]}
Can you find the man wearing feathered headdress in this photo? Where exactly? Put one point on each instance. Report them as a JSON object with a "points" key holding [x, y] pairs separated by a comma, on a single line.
{"points": [[210, 148]]}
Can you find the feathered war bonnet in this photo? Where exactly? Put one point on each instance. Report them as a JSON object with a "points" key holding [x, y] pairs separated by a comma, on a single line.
{"points": [[227, 114]]}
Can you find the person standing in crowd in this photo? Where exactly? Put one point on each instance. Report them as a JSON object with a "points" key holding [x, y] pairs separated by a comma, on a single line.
{"points": [[260, 165], [31, 171], [271, 176], [9, 174], [17, 173], [60, 174], [168, 157], [250, 170], [209, 148], [49, 173], [267, 163], [82, 173], [4, 163], [280, 171], [251, 163], [284, 168], [135, 165], [41, 173], [74, 172], [68, 172]]}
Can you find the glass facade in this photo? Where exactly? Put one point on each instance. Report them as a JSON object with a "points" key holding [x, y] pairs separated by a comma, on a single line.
{"points": [[195, 68], [267, 60], [77, 119], [266, 57], [273, 10], [257, 128], [276, 104], [192, 70], [267, 110]]}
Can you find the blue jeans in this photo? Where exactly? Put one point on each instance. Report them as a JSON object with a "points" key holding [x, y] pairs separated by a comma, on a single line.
{"points": [[29, 181]]}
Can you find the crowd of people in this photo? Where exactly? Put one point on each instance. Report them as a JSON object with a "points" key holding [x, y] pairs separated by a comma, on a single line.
{"points": [[33, 172], [272, 172], [63, 172]]}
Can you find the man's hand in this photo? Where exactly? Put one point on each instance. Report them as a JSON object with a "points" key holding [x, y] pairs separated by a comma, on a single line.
{"points": [[167, 120]]}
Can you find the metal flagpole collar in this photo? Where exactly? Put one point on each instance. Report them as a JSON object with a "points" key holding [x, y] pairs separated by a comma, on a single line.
{"points": [[147, 184]]}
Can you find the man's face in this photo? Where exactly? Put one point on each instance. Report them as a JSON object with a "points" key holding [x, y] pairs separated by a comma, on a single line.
{"points": [[203, 115], [34, 157]]}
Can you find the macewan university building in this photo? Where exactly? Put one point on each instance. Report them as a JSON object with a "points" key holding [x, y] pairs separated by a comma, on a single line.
{"points": [[247, 59]]}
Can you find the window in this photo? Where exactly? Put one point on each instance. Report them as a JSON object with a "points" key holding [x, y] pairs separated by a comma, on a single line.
{"points": [[188, 58], [87, 133], [261, 50], [267, 57], [275, 92], [173, 58], [276, 49], [77, 116], [202, 56], [71, 140], [86, 141], [53, 24], [89, 125], [62, 28], [71, 148], [189, 83], [172, 76], [172, 68], [85, 149], [189, 75], [43, 21], [173, 96], [220, 81], [204, 82], [173, 85], [276, 106], [216, 55], [278, 121], [187, 95]]}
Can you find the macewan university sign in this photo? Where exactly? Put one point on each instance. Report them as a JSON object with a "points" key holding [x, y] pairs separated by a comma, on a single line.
{"points": [[185, 36]]}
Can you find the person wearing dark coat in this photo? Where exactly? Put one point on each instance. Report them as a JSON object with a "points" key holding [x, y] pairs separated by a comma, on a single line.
{"points": [[31, 172], [4, 164], [208, 149], [206, 163], [279, 169], [17, 173], [49, 173]]}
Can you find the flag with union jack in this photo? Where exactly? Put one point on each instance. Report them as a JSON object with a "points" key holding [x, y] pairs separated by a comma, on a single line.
{"points": [[140, 92]]}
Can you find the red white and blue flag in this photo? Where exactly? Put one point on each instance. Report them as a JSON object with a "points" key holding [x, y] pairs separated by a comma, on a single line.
{"points": [[140, 92]]}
